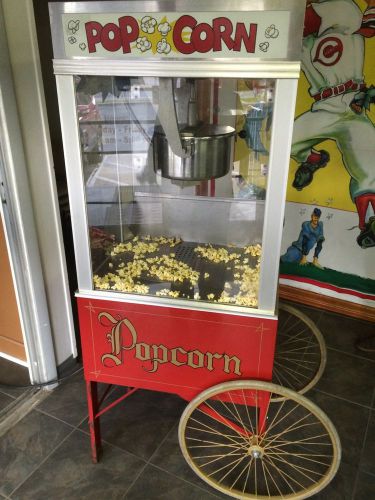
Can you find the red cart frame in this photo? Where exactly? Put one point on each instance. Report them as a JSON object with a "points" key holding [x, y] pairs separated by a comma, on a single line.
{"points": [[168, 349]]}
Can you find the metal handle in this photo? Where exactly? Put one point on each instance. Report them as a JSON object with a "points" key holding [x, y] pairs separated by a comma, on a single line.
{"points": [[168, 117]]}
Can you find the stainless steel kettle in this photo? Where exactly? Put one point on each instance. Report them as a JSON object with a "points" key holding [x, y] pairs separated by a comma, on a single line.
{"points": [[192, 151]]}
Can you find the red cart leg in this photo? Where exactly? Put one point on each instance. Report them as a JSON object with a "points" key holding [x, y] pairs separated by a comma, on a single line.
{"points": [[94, 423]]}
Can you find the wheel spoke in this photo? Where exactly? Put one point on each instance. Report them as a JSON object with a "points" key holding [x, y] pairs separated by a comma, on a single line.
{"points": [[294, 426], [296, 337], [247, 475], [299, 469], [296, 349], [292, 372], [305, 441], [235, 462], [283, 474], [271, 476], [272, 425], [269, 427], [219, 457], [297, 360], [248, 467], [265, 478], [239, 416], [215, 431], [247, 412], [211, 443], [216, 420], [302, 456]]}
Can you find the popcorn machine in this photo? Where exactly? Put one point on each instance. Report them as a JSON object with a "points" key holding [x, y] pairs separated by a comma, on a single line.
{"points": [[177, 121]]}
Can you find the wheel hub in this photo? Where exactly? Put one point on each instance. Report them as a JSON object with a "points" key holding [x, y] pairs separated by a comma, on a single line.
{"points": [[255, 451]]}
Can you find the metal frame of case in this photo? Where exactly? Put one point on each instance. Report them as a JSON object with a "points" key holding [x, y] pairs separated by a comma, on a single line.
{"points": [[285, 71]]}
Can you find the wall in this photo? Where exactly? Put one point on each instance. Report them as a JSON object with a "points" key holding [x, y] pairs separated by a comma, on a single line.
{"points": [[24, 59], [339, 48]]}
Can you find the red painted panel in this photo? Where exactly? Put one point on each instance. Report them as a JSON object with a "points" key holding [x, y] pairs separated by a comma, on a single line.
{"points": [[172, 350]]}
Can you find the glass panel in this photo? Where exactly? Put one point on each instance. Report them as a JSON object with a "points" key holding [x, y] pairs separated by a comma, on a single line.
{"points": [[175, 174]]}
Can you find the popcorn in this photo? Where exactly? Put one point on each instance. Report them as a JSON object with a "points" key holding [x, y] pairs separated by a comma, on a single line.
{"points": [[163, 47], [148, 24], [148, 258], [73, 26], [143, 44], [164, 28]]}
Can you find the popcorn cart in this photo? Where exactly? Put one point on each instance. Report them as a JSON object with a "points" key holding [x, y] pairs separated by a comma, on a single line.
{"points": [[177, 122]]}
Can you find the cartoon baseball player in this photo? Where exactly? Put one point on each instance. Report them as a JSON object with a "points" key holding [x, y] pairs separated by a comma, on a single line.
{"points": [[332, 60], [311, 235]]}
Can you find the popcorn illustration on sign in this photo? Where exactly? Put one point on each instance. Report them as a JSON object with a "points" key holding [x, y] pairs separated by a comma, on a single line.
{"points": [[73, 26], [82, 46], [143, 44], [163, 47], [272, 32], [148, 24], [164, 28], [264, 46], [72, 39]]}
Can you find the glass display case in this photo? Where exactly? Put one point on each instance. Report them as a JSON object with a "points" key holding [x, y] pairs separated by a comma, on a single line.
{"points": [[175, 173]]}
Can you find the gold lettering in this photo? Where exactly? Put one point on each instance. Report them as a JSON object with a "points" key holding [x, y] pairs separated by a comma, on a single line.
{"points": [[156, 359], [237, 363], [108, 316], [157, 354], [174, 359], [200, 359], [210, 357], [115, 338], [142, 351]]}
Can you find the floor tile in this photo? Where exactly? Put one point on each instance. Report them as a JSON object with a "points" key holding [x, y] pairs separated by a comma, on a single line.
{"points": [[13, 373], [311, 312], [25, 445], [348, 377], [342, 485], [5, 401], [15, 391], [68, 401], [365, 487], [367, 462], [154, 484], [342, 333], [169, 457], [140, 423], [69, 474], [350, 421]]}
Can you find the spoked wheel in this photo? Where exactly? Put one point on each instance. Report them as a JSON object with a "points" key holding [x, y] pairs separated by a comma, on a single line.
{"points": [[300, 354], [247, 444]]}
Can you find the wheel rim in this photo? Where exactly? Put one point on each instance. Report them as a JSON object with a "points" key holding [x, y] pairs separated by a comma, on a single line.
{"points": [[294, 456], [300, 353]]}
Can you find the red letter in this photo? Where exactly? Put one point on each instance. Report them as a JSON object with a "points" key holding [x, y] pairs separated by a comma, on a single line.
{"points": [[127, 35], [222, 35], [206, 44], [111, 44], [181, 23], [248, 39], [93, 34]]}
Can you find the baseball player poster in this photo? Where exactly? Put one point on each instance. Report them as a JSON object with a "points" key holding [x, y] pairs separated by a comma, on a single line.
{"points": [[329, 232]]}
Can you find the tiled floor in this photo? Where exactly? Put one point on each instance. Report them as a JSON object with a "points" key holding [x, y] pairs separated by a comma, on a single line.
{"points": [[46, 455]]}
